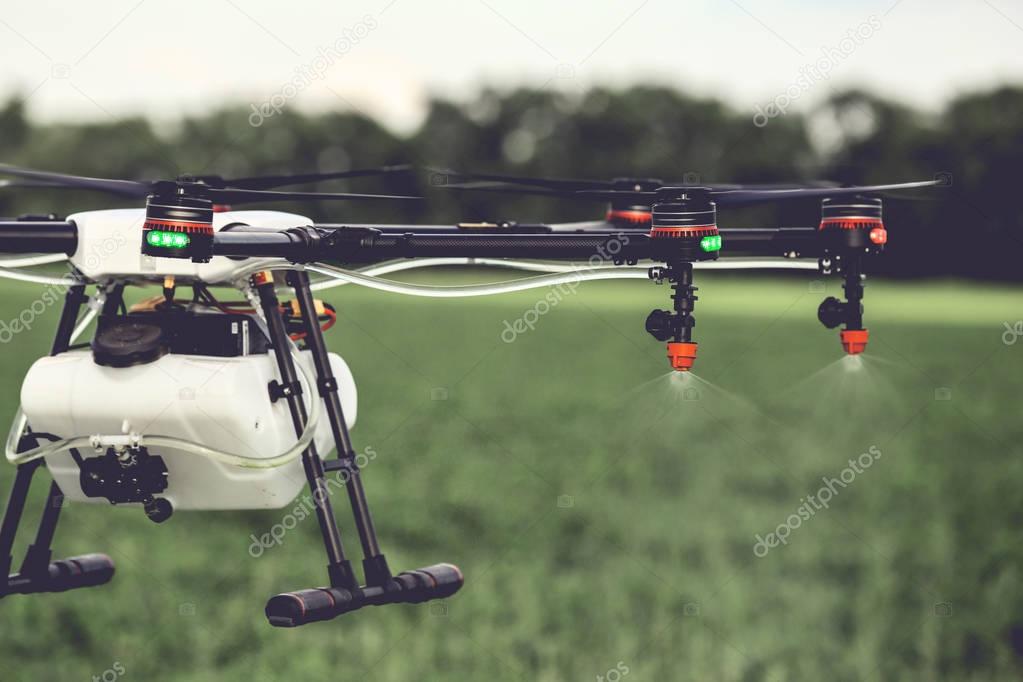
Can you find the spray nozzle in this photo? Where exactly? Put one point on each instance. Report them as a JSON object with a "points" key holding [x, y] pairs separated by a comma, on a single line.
{"points": [[681, 355], [854, 341]]}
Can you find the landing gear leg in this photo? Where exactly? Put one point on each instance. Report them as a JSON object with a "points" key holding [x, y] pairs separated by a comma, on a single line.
{"points": [[291, 609], [37, 572]]}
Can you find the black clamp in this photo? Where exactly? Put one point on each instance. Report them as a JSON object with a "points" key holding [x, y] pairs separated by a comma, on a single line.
{"points": [[280, 390], [326, 385], [308, 239], [346, 464]]}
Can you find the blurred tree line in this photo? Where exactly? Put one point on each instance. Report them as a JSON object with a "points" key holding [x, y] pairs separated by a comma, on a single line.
{"points": [[973, 228]]}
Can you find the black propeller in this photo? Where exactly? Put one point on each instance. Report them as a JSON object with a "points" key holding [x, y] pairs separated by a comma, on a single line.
{"points": [[723, 195], [743, 197], [272, 181], [19, 184], [246, 192], [497, 182], [449, 178]]}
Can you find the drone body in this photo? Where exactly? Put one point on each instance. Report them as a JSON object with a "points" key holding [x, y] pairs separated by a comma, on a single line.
{"points": [[108, 242], [201, 403]]}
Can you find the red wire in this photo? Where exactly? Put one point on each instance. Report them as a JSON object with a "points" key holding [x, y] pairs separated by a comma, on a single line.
{"points": [[330, 322]]}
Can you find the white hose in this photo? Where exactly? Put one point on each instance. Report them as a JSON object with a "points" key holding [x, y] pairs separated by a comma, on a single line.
{"points": [[29, 261], [555, 275], [543, 266], [66, 281], [504, 287], [21, 423], [87, 319], [535, 266]]}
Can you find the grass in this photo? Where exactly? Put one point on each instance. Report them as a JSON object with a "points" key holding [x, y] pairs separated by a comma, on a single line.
{"points": [[605, 515]]}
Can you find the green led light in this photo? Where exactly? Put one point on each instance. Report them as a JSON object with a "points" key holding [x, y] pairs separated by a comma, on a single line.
{"points": [[711, 243], [167, 240]]}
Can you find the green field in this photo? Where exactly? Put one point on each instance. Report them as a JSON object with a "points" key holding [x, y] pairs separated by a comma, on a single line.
{"points": [[605, 515]]}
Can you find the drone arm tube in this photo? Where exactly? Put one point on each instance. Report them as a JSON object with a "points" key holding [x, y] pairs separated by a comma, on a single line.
{"points": [[38, 236], [363, 244], [803, 241], [250, 242], [366, 245], [605, 245]]}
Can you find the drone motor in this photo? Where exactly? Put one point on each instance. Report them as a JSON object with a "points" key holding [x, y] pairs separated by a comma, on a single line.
{"points": [[632, 213], [176, 220]]}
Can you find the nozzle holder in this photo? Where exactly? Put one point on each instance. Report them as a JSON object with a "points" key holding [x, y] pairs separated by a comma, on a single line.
{"points": [[854, 341], [681, 355]]}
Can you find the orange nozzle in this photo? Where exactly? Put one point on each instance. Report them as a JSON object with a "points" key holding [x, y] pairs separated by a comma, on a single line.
{"points": [[681, 356], [854, 340]]}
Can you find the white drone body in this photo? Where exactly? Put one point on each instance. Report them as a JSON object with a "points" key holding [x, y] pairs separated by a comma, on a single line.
{"points": [[109, 244], [220, 402]]}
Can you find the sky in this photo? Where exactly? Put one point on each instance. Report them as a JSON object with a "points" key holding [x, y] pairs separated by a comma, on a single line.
{"points": [[108, 58]]}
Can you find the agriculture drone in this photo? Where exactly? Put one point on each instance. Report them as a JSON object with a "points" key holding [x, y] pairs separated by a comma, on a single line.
{"points": [[232, 415]]}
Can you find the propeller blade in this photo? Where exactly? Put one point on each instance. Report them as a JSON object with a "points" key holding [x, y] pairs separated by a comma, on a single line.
{"points": [[244, 196], [545, 183], [619, 195], [22, 184], [741, 197], [499, 188], [128, 188], [746, 196], [271, 181], [617, 184], [609, 193]]}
